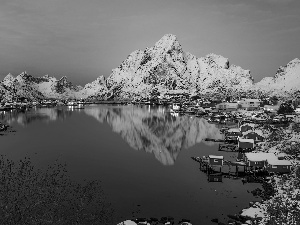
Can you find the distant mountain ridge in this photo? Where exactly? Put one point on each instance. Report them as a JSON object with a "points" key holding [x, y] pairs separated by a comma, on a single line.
{"points": [[25, 85], [164, 68]]}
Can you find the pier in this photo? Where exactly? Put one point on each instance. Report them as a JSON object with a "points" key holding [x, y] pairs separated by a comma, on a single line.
{"points": [[214, 166]]}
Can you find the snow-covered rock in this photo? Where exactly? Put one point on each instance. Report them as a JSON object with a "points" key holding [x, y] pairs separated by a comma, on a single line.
{"points": [[286, 80], [166, 67]]}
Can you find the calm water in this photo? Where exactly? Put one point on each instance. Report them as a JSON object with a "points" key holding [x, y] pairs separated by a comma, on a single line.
{"points": [[142, 155]]}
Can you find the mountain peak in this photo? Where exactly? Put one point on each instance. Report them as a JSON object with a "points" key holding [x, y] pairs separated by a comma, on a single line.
{"points": [[63, 78], [167, 42], [9, 76]]}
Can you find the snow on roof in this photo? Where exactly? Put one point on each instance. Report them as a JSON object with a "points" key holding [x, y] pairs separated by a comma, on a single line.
{"points": [[246, 140], [251, 100], [248, 124], [276, 162], [127, 222], [216, 157], [253, 212], [259, 132], [260, 156], [233, 130]]}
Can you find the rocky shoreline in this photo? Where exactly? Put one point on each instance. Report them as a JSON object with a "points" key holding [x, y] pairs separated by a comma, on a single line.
{"points": [[280, 193]]}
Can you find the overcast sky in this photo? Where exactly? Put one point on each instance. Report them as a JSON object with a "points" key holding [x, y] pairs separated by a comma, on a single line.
{"points": [[82, 39]]}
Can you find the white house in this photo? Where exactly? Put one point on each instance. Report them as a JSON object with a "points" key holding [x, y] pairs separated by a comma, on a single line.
{"points": [[249, 104]]}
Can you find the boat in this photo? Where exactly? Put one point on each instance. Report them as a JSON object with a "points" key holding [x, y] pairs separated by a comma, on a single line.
{"points": [[176, 107], [72, 103]]}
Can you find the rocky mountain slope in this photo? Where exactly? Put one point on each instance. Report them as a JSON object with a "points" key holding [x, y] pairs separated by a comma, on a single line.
{"points": [[166, 68], [25, 85], [285, 81]]}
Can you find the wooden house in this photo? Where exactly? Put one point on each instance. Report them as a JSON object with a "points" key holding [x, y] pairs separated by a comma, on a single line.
{"points": [[258, 160], [244, 144], [275, 165], [233, 134], [256, 135], [216, 160]]}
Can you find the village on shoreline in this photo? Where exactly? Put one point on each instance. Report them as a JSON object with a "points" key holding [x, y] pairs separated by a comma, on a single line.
{"points": [[265, 134]]}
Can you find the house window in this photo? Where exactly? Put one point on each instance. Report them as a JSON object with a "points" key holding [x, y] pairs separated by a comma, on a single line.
{"points": [[274, 166], [216, 160]]}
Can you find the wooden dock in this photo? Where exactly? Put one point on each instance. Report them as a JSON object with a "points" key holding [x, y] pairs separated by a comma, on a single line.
{"points": [[215, 172]]}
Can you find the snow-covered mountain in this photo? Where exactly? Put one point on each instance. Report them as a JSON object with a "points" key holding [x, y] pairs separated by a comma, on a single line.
{"points": [[166, 67], [285, 81], [163, 68], [25, 85], [154, 131]]}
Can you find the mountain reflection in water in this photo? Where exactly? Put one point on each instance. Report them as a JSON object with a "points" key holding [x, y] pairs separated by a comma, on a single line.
{"points": [[35, 114], [152, 130]]}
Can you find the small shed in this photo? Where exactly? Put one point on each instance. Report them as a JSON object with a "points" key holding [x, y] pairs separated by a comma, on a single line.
{"points": [[278, 166], [216, 160], [244, 143]]}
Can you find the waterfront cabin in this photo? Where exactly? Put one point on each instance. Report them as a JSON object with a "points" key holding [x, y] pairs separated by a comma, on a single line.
{"points": [[216, 160], [274, 165], [233, 134], [258, 160], [245, 144]]}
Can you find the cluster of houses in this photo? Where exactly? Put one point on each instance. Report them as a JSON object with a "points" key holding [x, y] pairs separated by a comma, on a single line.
{"points": [[5, 106], [244, 139]]}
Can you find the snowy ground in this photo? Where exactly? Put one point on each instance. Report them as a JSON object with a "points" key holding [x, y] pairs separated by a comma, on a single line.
{"points": [[284, 206]]}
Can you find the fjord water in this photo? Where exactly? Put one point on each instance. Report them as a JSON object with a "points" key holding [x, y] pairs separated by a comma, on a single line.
{"points": [[142, 155]]}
